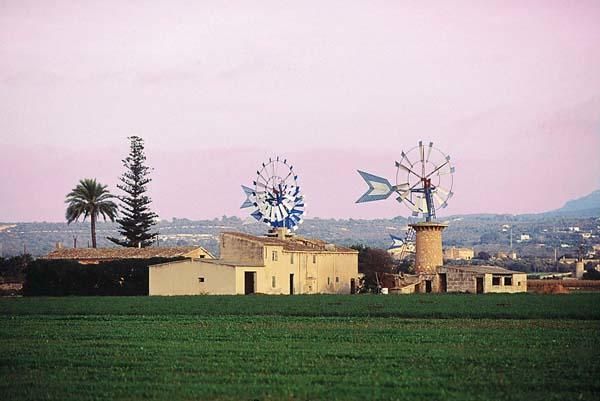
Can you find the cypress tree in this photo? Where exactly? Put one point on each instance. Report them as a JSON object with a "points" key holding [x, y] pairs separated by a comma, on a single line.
{"points": [[137, 219]]}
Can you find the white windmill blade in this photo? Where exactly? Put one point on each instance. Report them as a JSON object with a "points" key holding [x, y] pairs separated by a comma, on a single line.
{"points": [[429, 151], [379, 188], [444, 192], [424, 207], [405, 157], [438, 198], [445, 171]]}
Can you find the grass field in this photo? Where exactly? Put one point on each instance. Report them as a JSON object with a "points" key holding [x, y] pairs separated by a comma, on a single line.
{"points": [[422, 347]]}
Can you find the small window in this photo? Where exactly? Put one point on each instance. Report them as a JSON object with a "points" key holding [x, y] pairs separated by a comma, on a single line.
{"points": [[337, 279], [495, 280], [202, 256], [291, 258], [273, 282], [200, 279], [274, 256], [507, 280], [328, 281], [314, 258]]}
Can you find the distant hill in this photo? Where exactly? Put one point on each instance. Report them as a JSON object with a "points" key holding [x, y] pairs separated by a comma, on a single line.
{"points": [[586, 206]]}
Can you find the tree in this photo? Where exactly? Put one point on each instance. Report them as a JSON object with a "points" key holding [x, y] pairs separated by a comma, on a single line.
{"points": [[483, 255], [90, 198], [138, 220], [373, 262]]}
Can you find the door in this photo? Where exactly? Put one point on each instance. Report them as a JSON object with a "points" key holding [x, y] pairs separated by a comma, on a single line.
{"points": [[443, 283], [427, 285], [352, 286], [479, 285], [291, 284], [249, 282]]}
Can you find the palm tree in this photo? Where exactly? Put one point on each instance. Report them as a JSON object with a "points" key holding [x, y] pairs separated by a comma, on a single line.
{"points": [[90, 198]]}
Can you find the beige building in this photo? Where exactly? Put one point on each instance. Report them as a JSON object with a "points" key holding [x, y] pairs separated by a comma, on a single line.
{"points": [[97, 255], [459, 253], [250, 264]]}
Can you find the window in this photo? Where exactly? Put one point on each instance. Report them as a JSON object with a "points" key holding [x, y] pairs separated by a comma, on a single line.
{"points": [[273, 282], [291, 258], [274, 256], [518, 283], [495, 280], [508, 280], [337, 279], [314, 258], [200, 279], [328, 281], [202, 256]]}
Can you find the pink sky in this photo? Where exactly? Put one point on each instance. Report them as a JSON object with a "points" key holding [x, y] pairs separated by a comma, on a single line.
{"points": [[510, 89]]}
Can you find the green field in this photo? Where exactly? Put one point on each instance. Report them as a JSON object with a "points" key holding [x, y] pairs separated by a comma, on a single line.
{"points": [[422, 347]]}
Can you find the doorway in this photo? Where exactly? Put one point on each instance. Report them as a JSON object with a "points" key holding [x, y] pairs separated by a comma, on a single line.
{"points": [[427, 285], [443, 283], [249, 282], [292, 284], [479, 285]]}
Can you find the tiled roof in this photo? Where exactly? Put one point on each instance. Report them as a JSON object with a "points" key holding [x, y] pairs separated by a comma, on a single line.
{"points": [[483, 269], [294, 243], [120, 253]]}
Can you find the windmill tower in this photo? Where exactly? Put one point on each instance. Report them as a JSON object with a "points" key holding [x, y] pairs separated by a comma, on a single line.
{"points": [[424, 180]]}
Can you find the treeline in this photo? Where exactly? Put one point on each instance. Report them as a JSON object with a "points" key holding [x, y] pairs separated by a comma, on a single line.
{"points": [[66, 277]]}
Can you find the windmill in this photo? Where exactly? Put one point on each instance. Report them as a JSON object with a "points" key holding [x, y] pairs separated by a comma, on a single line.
{"points": [[424, 180], [275, 196], [403, 247]]}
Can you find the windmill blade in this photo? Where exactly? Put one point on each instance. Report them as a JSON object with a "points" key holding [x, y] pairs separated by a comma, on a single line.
{"points": [[438, 198], [405, 157], [429, 151], [445, 192], [379, 188], [249, 195], [424, 207], [422, 155], [445, 172]]}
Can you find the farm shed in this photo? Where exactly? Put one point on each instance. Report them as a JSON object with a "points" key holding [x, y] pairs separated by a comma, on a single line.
{"points": [[481, 279], [270, 265], [471, 279]]}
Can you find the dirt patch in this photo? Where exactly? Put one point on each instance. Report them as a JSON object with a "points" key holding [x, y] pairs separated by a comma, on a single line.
{"points": [[551, 288]]}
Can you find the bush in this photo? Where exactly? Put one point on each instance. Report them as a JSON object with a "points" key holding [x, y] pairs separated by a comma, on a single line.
{"points": [[68, 277]]}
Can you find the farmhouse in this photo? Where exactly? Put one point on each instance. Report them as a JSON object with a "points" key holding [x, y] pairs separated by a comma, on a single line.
{"points": [[275, 264], [97, 255]]}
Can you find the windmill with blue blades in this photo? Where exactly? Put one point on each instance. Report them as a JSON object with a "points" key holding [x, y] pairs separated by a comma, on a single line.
{"points": [[275, 196]]}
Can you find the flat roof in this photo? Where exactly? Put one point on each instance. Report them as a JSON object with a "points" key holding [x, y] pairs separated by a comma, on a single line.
{"points": [[294, 243], [483, 269], [122, 253]]}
